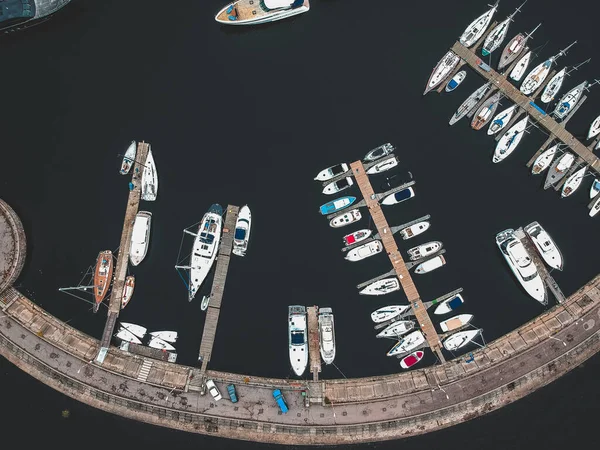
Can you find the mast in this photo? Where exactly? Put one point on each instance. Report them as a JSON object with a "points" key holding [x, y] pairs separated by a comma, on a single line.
{"points": [[578, 66], [562, 52], [516, 11], [587, 88], [530, 34]]}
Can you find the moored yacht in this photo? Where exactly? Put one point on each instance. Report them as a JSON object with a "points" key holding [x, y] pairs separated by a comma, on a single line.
{"points": [[456, 322], [412, 359], [470, 102], [407, 344], [357, 236], [450, 304], [167, 336], [337, 186], [254, 12], [595, 207], [521, 265], [379, 152], [241, 236], [431, 264], [569, 100], [386, 313], [553, 86], [519, 70], [149, 178], [573, 182], [383, 165], [298, 344], [543, 161], [414, 230], [102, 277], [476, 28], [332, 172], [545, 246], [485, 112], [126, 335], [397, 328], [128, 288], [538, 75], [399, 197], [595, 188], [381, 287], [509, 141], [514, 48], [442, 70], [559, 169], [501, 120], [140, 237], [138, 330], [423, 250], [336, 205], [344, 219], [326, 335], [498, 34], [460, 339], [594, 128], [456, 80], [364, 251], [128, 158]]}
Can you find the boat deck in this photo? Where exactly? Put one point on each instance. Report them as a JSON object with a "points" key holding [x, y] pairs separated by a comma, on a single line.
{"points": [[314, 341], [247, 9], [218, 286], [362, 180], [120, 271]]}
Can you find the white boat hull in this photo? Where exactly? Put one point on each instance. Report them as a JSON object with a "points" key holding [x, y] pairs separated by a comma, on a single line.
{"points": [[456, 322], [476, 28], [338, 186], [160, 344], [595, 207], [241, 235], [407, 344], [519, 70], [430, 265], [509, 141], [442, 70], [388, 312], [543, 161], [381, 287], [382, 166], [167, 336], [204, 250], [460, 339], [573, 183], [414, 230], [149, 178], [397, 329], [140, 237], [553, 87], [364, 251], [595, 188], [345, 219], [449, 304], [500, 120], [138, 330], [332, 172], [297, 339], [128, 336], [594, 128], [545, 246], [326, 335], [424, 250], [128, 159], [266, 18]]}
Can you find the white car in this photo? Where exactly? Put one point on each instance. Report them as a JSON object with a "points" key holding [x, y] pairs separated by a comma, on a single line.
{"points": [[214, 391]]}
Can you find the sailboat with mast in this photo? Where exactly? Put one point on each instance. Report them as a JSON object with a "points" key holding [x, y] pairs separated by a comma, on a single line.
{"points": [[570, 99], [556, 82], [538, 75], [476, 28], [498, 34], [470, 103], [514, 48]]}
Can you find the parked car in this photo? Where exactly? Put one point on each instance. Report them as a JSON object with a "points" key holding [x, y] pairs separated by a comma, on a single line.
{"points": [[278, 396], [232, 393], [214, 390]]}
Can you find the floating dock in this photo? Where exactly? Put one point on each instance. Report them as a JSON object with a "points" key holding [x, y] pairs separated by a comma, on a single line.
{"points": [[314, 341]]}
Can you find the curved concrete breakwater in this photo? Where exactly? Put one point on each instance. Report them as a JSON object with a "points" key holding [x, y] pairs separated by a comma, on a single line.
{"points": [[341, 411]]}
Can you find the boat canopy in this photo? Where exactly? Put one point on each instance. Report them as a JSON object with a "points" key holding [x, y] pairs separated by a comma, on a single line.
{"points": [[456, 301], [240, 234]]}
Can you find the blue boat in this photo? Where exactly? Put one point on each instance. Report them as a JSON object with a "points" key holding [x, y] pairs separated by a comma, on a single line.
{"points": [[336, 205]]}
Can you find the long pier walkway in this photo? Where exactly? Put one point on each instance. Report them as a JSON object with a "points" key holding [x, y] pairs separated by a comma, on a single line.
{"points": [[120, 272], [544, 120], [389, 242], [218, 286], [314, 352]]}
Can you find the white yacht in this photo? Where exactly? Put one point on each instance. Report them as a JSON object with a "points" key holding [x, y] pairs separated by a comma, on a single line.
{"points": [[255, 12], [456, 80], [337, 186], [594, 128], [509, 141], [595, 207], [344, 219], [297, 341], [498, 34], [149, 178], [160, 344], [126, 335], [364, 251], [545, 246], [383, 165], [326, 335], [470, 103], [486, 111], [138, 330], [514, 48], [357, 236], [128, 158], [431, 264], [399, 197], [442, 70], [595, 188], [140, 237], [386, 313], [460, 339], [519, 70], [476, 28], [501, 120], [553, 86], [456, 322], [543, 161], [168, 336], [521, 265], [573, 182], [407, 344], [381, 287], [332, 172], [241, 235], [396, 329], [379, 152], [569, 100], [559, 169], [423, 250], [450, 304], [205, 248], [538, 75], [414, 230]]}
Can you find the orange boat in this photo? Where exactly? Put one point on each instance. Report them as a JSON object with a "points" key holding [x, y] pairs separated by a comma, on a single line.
{"points": [[102, 276], [127, 290]]}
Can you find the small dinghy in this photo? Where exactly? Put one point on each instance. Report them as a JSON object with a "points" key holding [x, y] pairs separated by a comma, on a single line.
{"points": [[332, 172], [424, 250], [407, 344], [167, 336], [412, 359], [397, 329], [345, 219], [379, 152], [399, 197], [364, 251], [595, 188], [381, 287], [573, 182], [204, 303], [336, 205], [460, 339], [388, 312], [138, 330], [456, 80], [382, 166], [431, 264], [543, 161], [456, 322], [127, 290], [126, 335], [414, 230], [337, 186], [449, 305], [160, 344], [128, 159], [357, 236]]}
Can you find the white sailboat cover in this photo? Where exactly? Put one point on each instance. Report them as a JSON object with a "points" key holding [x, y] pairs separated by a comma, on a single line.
{"points": [[126, 335], [205, 248], [168, 336], [149, 178], [160, 344], [476, 28], [140, 237], [460, 339], [138, 330], [388, 312]]}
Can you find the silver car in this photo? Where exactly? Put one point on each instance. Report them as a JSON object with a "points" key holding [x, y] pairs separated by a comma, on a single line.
{"points": [[214, 391]]}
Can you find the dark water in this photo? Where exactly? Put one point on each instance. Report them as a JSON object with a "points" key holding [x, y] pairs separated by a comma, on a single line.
{"points": [[250, 116]]}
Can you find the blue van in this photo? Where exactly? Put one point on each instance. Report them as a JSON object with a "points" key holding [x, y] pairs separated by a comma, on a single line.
{"points": [[278, 396]]}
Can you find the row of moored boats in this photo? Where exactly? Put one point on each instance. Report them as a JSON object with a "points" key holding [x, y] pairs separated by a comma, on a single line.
{"points": [[132, 333]]}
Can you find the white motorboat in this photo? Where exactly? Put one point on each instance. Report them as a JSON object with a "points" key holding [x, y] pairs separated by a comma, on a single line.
{"points": [[543, 161], [498, 34], [126, 335], [569, 100], [383, 165], [514, 48], [470, 103], [456, 322], [431, 264], [573, 182], [140, 237], [595, 207], [241, 236], [476, 28], [160, 344], [412, 359], [364, 251], [396, 329], [332, 172], [519, 70], [253, 12], [559, 169], [456, 80], [326, 335], [538, 75], [521, 265], [509, 141], [344, 219], [128, 158], [449, 304], [595, 188], [424, 250], [381, 287], [357, 236], [128, 288], [545, 246], [594, 128], [442, 70], [337, 186], [460, 339], [553, 86], [486, 111], [138, 330], [414, 230], [501, 120], [379, 152], [407, 344], [386, 313], [205, 248], [297, 341], [167, 336], [399, 197], [149, 178]]}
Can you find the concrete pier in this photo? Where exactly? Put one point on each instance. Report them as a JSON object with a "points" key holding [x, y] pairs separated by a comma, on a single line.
{"points": [[313, 341]]}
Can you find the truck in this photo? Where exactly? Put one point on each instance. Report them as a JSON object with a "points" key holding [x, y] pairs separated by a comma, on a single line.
{"points": [[278, 396]]}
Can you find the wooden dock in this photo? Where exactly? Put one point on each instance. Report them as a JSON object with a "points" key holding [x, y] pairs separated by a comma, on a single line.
{"points": [[120, 271], [314, 341], [218, 286], [553, 127], [362, 180]]}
